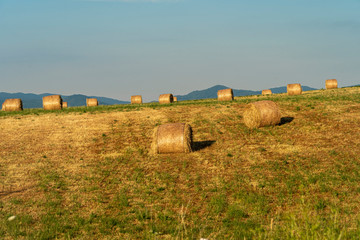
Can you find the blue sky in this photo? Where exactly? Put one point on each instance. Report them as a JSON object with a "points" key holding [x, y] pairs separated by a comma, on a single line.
{"points": [[123, 48]]}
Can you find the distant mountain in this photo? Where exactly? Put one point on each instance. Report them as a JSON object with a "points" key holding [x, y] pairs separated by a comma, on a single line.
{"points": [[212, 92], [31, 100]]}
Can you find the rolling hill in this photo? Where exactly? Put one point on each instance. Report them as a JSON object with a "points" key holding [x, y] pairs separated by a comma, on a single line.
{"points": [[212, 92], [89, 173], [31, 100]]}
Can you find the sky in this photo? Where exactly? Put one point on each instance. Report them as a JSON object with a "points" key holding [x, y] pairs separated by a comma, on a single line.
{"points": [[120, 48]]}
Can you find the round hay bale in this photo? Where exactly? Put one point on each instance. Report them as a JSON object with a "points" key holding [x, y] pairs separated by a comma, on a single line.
{"points": [[262, 113], [266, 92], [166, 98], [172, 138], [92, 102], [52, 102], [225, 95], [64, 104], [294, 89], [137, 99], [175, 99], [331, 83], [14, 104]]}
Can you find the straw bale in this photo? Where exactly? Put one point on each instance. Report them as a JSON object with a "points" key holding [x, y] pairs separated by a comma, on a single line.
{"points": [[64, 104], [262, 113], [92, 102], [172, 138], [137, 99], [294, 89], [331, 83], [225, 95], [175, 99], [166, 98], [266, 92], [52, 102], [14, 104]]}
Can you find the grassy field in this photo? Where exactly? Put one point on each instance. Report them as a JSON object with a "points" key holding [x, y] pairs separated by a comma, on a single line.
{"points": [[86, 173]]}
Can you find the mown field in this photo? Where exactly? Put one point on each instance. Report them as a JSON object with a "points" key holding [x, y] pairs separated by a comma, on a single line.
{"points": [[86, 173]]}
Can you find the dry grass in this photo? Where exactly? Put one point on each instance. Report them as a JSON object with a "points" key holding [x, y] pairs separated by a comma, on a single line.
{"points": [[93, 174]]}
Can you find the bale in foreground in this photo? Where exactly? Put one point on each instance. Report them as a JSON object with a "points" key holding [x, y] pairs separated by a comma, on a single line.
{"points": [[64, 104], [331, 83], [262, 113], [294, 89], [92, 102], [225, 95], [266, 92], [52, 102], [172, 138], [166, 98], [14, 104], [137, 99]]}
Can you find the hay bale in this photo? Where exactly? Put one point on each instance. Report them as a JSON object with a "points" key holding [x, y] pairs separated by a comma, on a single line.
{"points": [[294, 89], [14, 104], [166, 98], [137, 99], [331, 83], [266, 92], [175, 99], [64, 104], [172, 138], [225, 95], [92, 102], [52, 102], [262, 113]]}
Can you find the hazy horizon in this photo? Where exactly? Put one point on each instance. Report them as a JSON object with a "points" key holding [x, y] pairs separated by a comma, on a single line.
{"points": [[119, 48]]}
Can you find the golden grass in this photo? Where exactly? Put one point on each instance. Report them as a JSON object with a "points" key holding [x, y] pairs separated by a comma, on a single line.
{"points": [[78, 145]]}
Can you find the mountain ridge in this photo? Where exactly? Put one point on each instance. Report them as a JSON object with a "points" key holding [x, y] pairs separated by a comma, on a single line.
{"points": [[31, 100], [212, 92]]}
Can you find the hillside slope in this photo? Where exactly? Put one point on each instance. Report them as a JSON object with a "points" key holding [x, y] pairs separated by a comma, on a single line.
{"points": [[89, 175]]}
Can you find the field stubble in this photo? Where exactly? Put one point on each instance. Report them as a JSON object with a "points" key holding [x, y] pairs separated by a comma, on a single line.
{"points": [[90, 175]]}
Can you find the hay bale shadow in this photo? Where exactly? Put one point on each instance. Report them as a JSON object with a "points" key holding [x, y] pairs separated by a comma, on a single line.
{"points": [[197, 146], [285, 120]]}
